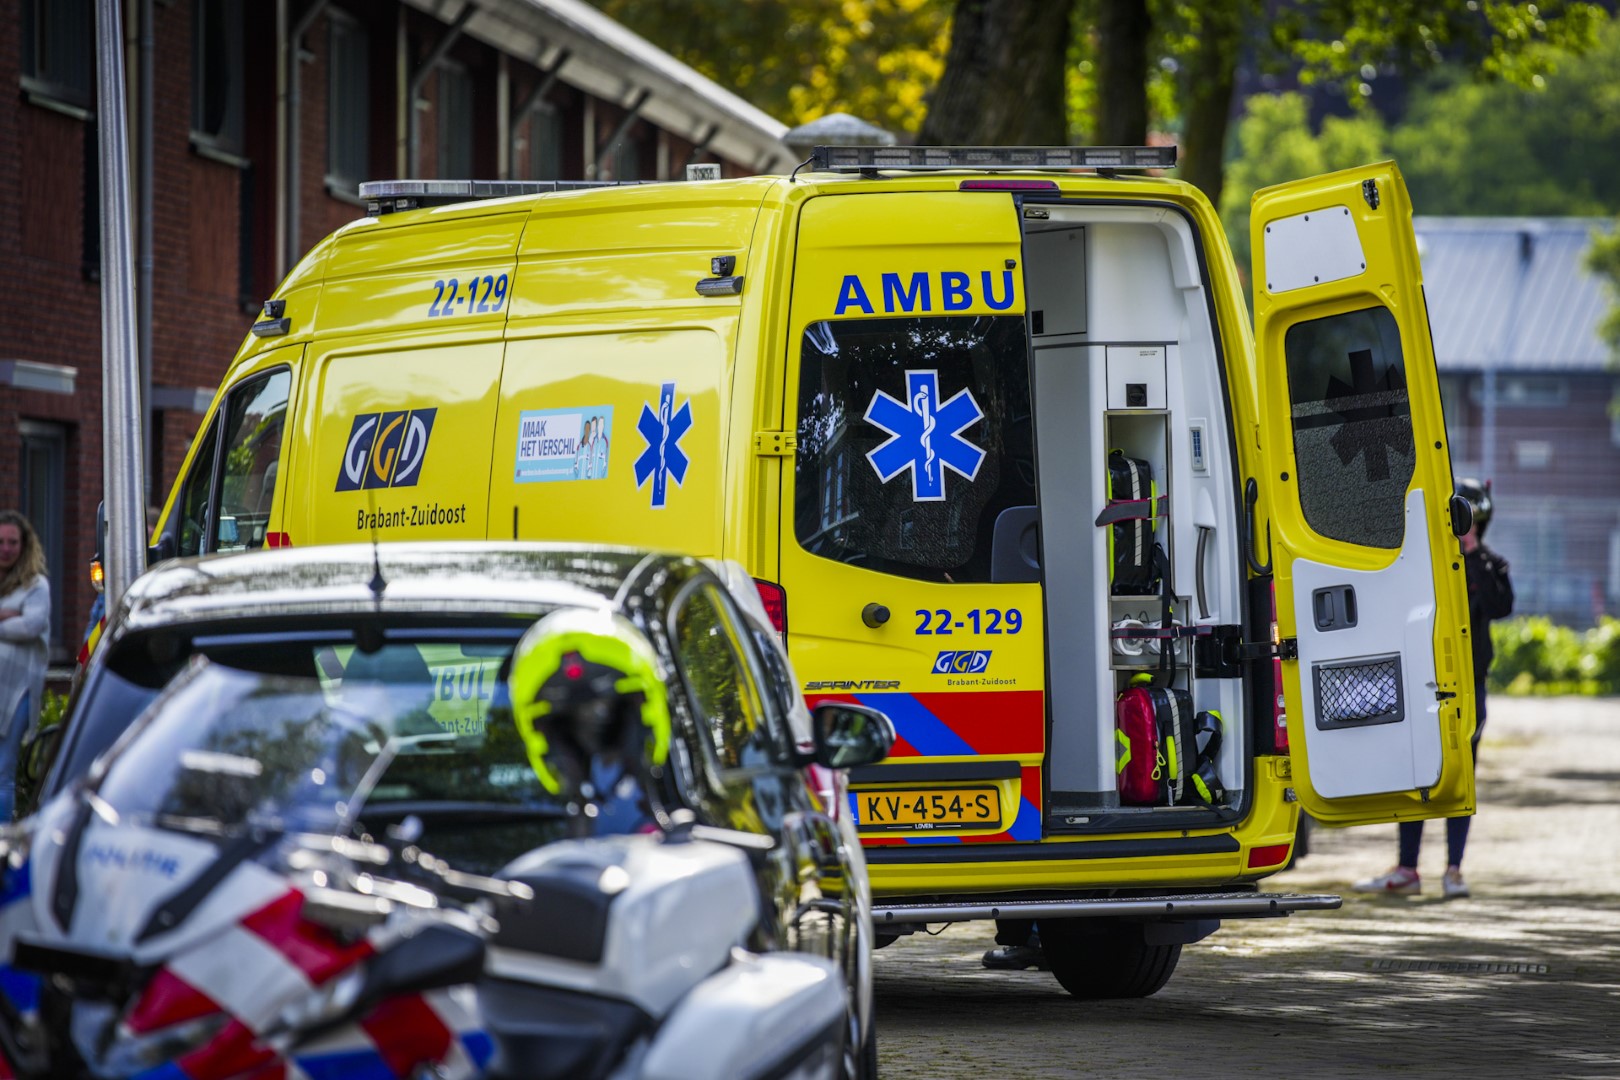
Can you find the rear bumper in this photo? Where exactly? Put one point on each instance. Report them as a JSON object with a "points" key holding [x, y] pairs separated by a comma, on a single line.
{"points": [[1223, 905]]}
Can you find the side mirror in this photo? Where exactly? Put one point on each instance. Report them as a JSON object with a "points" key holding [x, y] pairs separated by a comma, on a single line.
{"points": [[847, 736], [1462, 516], [436, 957]]}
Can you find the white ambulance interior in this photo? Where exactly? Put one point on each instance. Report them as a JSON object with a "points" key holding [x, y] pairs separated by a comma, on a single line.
{"points": [[1124, 356]]}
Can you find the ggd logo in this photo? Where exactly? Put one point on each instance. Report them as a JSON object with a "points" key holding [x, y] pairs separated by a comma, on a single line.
{"points": [[386, 449], [961, 662]]}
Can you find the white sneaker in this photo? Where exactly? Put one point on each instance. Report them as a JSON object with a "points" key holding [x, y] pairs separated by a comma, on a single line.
{"points": [[1453, 884], [1401, 881]]}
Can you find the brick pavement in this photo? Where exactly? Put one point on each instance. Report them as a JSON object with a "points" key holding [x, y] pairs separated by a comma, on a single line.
{"points": [[1521, 979]]}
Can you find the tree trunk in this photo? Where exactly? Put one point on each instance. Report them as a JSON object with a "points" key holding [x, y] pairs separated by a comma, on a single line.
{"points": [[1211, 76], [1003, 78], [1123, 27]]}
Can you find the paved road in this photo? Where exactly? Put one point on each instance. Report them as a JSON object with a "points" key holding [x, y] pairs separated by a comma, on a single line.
{"points": [[1520, 980]]}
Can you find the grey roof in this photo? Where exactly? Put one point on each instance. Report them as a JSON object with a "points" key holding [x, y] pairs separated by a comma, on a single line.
{"points": [[1513, 294], [610, 62]]}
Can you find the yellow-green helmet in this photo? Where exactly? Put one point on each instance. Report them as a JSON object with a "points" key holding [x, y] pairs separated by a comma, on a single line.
{"points": [[587, 682]]}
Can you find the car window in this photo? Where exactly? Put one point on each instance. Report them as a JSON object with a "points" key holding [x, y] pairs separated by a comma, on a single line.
{"points": [[193, 503], [725, 701], [255, 414]]}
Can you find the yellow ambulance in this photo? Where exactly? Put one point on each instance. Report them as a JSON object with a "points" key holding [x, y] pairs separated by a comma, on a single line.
{"points": [[901, 387]]}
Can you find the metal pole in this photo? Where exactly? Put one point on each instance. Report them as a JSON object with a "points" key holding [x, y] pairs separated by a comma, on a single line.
{"points": [[121, 464], [146, 266]]}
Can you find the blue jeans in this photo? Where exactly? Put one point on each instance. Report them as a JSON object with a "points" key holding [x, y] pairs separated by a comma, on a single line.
{"points": [[1457, 827], [11, 758]]}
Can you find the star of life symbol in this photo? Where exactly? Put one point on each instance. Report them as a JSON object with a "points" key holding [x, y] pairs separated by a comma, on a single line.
{"points": [[925, 435], [663, 459]]}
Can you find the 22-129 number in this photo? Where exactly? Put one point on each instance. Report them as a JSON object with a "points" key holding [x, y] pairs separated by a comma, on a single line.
{"points": [[978, 621], [480, 296]]}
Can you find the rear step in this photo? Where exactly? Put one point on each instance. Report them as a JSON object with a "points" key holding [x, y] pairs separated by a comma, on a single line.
{"points": [[1232, 905]]}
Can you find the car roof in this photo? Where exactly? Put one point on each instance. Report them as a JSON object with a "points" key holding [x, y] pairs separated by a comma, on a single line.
{"points": [[467, 577]]}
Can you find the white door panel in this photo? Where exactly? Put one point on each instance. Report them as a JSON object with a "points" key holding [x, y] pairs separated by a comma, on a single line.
{"points": [[1372, 722]]}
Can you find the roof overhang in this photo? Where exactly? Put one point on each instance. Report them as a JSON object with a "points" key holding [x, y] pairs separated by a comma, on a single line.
{"points": [[608, 61]]}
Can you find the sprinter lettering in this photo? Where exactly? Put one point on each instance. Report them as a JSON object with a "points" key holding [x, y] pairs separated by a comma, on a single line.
{"points": [[916, 292]]}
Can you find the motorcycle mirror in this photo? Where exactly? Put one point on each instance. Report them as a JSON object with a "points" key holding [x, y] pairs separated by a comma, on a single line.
{"points": [[438, 956], [847, 736]]}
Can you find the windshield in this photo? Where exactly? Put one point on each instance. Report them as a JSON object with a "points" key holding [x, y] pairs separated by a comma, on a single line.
{"points": [[223, 751]]}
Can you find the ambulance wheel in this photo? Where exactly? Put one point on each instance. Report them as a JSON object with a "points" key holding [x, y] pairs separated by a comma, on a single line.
{"points": [[1094, 962]]}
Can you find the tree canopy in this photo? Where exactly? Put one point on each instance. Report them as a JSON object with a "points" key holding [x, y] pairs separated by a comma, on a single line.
{"points": [[801, 59], [1464, 147]]}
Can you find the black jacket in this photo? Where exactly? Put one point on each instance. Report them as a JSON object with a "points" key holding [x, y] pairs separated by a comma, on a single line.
{"points": [[1490, 596]]}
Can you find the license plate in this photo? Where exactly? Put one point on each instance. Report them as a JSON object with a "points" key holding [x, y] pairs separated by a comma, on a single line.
{"points": [[929, 808]]}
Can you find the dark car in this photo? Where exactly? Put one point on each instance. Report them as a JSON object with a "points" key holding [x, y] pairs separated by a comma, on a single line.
{"points": [[439, 622]]}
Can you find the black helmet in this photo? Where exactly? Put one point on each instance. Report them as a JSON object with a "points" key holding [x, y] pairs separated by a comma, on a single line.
{"points": [[1479, 500]]}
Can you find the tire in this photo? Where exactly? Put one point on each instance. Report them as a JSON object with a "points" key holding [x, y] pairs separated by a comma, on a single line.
{"points": [[1108, 961], [861, 1064], [869, 1063]]}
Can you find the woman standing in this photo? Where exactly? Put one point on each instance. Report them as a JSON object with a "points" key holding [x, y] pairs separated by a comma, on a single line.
{"points": [[25, 626]]}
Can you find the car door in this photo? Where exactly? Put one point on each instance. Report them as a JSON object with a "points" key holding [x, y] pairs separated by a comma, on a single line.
{"points": [[743, 740], [1356, 478], [233, 493]]}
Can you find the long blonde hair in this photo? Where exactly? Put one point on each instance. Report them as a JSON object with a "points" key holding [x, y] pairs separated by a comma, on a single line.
{"points": [[30, 562]]}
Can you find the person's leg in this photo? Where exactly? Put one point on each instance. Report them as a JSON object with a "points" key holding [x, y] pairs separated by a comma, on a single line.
{"points": [[1411, 842], [1457, 827], [1403, 879], [11, 757], [1018, 947], [1014, 931]]}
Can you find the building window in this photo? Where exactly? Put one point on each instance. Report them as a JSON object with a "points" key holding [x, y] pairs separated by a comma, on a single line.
{"points": [[348, 107], [1533, 454], [1545, 391], [44, 472], [455, 121], [58, 51], [626, 160], [545, 143], [216, 91]]}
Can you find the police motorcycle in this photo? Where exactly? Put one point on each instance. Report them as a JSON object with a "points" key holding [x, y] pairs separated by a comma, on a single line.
{"points": [[235, 890], [628, 955], [199, 907]]}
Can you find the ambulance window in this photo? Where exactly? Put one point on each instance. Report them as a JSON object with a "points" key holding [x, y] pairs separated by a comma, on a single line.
{"points": [[255, 414], [1352, 426], [913, 436], [722, 692], [193, 504]]}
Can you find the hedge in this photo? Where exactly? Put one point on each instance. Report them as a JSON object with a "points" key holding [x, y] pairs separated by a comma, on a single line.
{"points": [[1535, 655]]}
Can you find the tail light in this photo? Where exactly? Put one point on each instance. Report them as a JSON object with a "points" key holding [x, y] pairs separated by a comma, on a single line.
{"points": [[774, 598], [1268, 855]]}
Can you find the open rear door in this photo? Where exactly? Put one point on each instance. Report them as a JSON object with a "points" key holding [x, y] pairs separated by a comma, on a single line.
{"points": [[1357, 487]]}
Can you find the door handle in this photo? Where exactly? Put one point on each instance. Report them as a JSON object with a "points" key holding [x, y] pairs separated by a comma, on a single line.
{"points": [[1334, 608], [1251, 495], [1204, 532]]}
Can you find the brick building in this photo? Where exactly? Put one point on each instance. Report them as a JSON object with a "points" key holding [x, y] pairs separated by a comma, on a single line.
{"points": [[244, 97], [1531, 399]]}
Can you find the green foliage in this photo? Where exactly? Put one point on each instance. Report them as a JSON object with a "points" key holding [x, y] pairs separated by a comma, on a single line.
{"points": [[1465, 147], [1275, 145], [1604, 260], [801, 59], [1535, 655]]}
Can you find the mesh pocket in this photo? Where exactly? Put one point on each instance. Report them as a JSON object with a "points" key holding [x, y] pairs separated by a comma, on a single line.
{"points": [[1358, 692]]}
